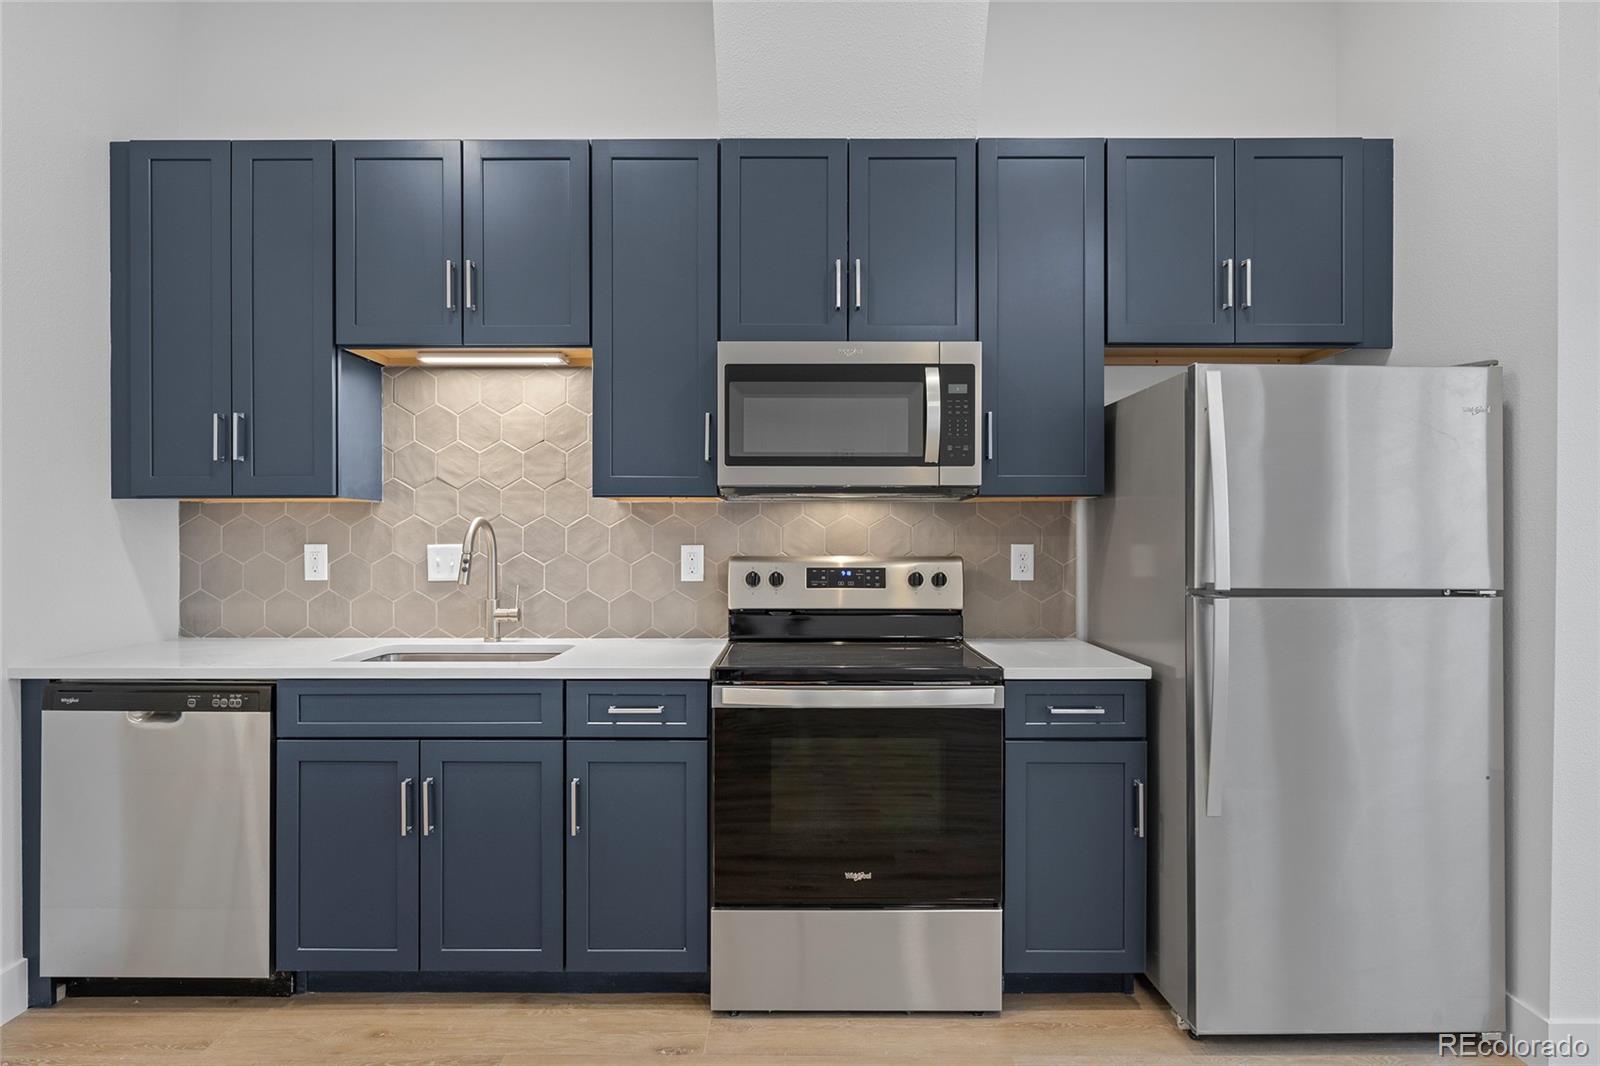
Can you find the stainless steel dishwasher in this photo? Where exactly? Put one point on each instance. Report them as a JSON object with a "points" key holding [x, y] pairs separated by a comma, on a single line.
{"points": [[155, 830]]}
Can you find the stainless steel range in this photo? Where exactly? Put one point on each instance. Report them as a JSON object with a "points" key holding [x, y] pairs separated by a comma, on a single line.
{"points": [[857, 792]]}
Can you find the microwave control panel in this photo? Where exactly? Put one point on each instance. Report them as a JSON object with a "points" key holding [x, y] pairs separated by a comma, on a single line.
{"points": [[958, 439]]}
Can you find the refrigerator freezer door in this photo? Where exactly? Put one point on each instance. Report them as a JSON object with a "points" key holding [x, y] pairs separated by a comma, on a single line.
{"points": [[1348, 877], [1345, 477]]}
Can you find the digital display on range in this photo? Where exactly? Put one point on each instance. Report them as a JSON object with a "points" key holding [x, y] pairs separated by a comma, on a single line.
{"points": [[844, 577]]}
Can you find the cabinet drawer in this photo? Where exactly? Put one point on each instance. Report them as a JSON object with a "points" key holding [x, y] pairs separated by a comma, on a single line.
{"points": [[1037, 710], [657, 709], [402, 708]]}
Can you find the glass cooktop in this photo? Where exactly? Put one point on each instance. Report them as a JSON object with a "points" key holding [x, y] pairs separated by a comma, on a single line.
{"points": [[854, 662]]}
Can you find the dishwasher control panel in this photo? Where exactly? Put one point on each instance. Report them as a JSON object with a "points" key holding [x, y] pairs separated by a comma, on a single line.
{"points": [[67, 696]]}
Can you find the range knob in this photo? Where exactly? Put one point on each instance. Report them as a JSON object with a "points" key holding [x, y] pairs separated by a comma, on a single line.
{"points": [[776, 577], [915, 580], [939, 579], [752, 579]]}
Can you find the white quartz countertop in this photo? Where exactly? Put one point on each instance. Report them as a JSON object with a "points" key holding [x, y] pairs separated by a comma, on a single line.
{"points": [[275, 659], [1059, 660]]}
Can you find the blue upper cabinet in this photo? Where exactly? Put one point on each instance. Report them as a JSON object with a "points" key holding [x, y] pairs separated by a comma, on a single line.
{"points": [[1283, 242], [637, 856], [655, 317], [784, 240], [1169, 242], [225, 379], [525, 256], [913, 240], [1298, 237], [171, 384], [1041, 234], [398, 211]]}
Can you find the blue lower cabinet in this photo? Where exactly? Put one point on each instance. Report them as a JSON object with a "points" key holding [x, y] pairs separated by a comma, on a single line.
{"points": [[346, 890], [1075, 856], [490, 814], [637, 856]]}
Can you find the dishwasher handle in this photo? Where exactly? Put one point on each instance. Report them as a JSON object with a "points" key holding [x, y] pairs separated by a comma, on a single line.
{"points": [[154, 718]]}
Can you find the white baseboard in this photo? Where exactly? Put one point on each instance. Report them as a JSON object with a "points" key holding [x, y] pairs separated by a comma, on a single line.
{"points": [[1525, 1023], [13, 990]]}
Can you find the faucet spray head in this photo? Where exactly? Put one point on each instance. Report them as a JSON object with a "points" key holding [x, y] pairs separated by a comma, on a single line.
{"points": [[464, 575]]}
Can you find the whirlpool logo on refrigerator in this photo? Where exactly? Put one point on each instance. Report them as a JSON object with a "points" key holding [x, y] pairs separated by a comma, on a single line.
{"points": [[858, 875]]}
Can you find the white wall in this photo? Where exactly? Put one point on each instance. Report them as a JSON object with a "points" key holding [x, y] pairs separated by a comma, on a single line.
{"points": [[77, 568]]}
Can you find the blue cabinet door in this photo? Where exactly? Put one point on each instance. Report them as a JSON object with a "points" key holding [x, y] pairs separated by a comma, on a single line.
{"points": [[637, 857], [397, 210], [347, 838], [171, 397], [784, 240], [525, 257], [282, 434], [655, 317], [913, 240], [1041, 234], [1170, 263], [490, 818], [1299, 235], [1075, 856]]}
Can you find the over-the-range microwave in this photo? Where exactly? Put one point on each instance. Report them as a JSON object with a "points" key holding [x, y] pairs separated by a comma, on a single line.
{"points": [[822, 418]]}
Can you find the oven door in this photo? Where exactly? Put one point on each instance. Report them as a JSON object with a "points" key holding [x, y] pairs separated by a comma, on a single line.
{"points": [[823, 416], [857, 797]]}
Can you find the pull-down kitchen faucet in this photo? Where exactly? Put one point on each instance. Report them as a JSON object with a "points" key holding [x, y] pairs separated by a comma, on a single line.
{"points": [[493, 613]]}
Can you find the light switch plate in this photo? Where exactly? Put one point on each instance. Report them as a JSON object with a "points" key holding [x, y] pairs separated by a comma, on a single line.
{"points": [[1022, 562], [692, 562], [444, 562], [316, 562]]}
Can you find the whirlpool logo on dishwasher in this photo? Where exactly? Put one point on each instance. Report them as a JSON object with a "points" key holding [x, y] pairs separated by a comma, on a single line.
{"points": [[858, 875]]}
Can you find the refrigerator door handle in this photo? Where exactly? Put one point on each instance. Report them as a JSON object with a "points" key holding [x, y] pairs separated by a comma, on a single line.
{"points": [[1216, 748], [1221, 546]]}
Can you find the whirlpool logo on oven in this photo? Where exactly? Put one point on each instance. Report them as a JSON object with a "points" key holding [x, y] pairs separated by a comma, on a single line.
{"points": [[858, 875]]}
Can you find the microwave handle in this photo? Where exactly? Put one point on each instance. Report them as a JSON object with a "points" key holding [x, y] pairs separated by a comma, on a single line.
{"points": [[933, 392]]}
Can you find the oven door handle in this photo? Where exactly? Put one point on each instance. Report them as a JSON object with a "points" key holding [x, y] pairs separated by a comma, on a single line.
{"points": [[802, 697], [931, 398]]}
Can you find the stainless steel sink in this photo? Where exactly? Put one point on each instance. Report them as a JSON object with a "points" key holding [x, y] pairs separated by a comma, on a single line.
{"points": [[462, 657], [502, 652]]}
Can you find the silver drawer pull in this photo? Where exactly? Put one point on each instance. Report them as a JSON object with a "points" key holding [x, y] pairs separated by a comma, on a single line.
{"points": [[1077, 710], [636, 710]]}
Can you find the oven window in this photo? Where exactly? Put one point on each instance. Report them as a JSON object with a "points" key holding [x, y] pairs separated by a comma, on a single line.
{"points": [[872, 807], [826, 415]]}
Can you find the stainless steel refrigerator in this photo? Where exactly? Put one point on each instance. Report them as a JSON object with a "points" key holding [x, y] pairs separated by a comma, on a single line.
{"points": [[1310, 559]]}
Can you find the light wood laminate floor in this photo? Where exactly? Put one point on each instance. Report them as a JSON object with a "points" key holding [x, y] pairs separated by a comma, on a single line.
{"points": [[340, 1029]]}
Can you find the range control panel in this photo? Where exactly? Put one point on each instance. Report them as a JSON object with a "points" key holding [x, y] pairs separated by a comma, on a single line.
{"points": [[844, 583]]}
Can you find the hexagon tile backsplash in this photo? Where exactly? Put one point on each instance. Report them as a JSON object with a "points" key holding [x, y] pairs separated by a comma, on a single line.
{"points": [[514, 445]]}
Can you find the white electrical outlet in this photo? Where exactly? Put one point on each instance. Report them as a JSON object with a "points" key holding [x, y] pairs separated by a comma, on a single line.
{"points": [[316, 562], [692, 562], [444, 562], [1022, 562]]}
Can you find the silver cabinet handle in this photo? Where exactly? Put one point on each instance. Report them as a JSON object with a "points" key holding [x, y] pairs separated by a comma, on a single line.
{"points": [[1077, 710], [1217, 438], [427, 813], [706, 448], [858, 284], [1249, 288], [217, 453], [1227, 284], [636, 710], [405, 807], [449, 284], [989, 435], [932, 392], [572, 808], [838, 284], [238, 436], [1138, 808], [466, 276]]}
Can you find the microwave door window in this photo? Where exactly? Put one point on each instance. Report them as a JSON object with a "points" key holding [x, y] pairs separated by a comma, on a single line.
{"points": [[874, 417]]}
